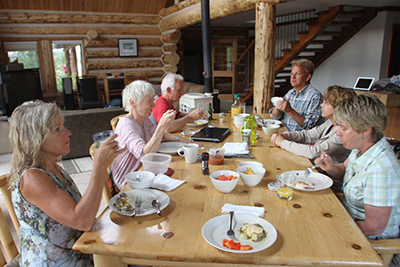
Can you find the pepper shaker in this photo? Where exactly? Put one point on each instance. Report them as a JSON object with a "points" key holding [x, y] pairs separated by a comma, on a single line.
{"points": [[204, 163]]}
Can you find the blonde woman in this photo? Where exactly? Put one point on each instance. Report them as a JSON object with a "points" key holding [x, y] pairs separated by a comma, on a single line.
{"points": [[371, 174], [323, 138], [51, 211]]}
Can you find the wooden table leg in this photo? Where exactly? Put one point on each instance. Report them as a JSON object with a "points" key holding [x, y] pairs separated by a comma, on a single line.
{"points": [[107, 261]]}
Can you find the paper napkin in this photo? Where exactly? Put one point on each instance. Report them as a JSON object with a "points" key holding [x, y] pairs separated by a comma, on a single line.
{"points": [[166, 183], [236, 148], [257, 211]]}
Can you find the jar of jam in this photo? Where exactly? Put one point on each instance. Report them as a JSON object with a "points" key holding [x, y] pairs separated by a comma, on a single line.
{"points": [[216, 156]]}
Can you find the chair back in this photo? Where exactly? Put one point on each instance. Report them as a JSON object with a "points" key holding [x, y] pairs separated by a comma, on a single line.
{"points": [[6, 238], [114, 121], [89, 96]]}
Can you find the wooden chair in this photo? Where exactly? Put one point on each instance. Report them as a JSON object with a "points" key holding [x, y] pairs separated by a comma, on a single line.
{"points": [[114, 121], [89, 95], [6, 238], [386, 248]]}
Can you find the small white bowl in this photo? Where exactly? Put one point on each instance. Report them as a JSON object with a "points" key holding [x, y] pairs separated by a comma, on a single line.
{"points": [[224, 186], [271, 121], [270, 129], [275, 99], [252, 164], [251, 179], [146, 179], [240, 116]]}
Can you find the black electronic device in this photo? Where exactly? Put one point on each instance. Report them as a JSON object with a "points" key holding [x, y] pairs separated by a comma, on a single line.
{"points": [[211, 134]]}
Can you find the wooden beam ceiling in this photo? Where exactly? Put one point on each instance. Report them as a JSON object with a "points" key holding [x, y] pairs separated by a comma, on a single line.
{"points": [[103, 6]]}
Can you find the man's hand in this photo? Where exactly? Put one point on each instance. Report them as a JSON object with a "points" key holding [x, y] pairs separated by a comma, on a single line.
{"points": [[167, 117], [284, 106], [196, 114], [277, 139]]}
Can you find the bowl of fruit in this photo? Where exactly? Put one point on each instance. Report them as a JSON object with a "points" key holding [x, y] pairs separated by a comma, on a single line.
{"points": [[224, 181], [251, 175]]}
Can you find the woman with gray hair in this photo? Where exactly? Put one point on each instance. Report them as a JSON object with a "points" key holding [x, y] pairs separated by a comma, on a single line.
{"points": [[51, 211], [137, 133], [371, 174]]}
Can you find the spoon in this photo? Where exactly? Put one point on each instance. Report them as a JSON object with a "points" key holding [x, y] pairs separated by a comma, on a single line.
{"points": [[155, 203]]}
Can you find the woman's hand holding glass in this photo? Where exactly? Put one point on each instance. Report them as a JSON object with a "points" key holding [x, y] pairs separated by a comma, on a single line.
{"points": [[107, 152]]}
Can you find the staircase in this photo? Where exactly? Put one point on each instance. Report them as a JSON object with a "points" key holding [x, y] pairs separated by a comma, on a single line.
{"points": [[327, 32]]}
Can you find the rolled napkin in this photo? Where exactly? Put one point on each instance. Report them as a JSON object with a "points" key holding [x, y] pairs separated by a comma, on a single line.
{"points": [[257, 211], [166, 183], [236, 148]]}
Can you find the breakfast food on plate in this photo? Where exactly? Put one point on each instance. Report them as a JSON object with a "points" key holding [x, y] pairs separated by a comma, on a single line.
{"points": [[235, 245], [255, 232], [303, 185], [250, 171], [123, 203], [226, 178], [198, 122]]}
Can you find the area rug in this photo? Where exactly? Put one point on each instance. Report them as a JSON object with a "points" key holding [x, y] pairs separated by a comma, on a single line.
{"points": [[78, 165]]}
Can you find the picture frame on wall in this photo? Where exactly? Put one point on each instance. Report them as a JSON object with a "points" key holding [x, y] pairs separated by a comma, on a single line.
{"points": [[127, 47]]}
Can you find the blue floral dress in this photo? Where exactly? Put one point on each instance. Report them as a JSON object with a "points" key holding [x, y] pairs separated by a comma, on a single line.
{"points": [[45, 242]]}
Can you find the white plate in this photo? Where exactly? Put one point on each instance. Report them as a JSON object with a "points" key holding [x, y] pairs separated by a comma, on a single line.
{"points": [[275, 99], [321, 181], [147, 196], [215, 230], [170, 147], [197, 123]]}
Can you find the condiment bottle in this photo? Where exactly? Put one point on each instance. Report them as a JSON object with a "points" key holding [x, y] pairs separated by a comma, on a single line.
{"points": [[204, 163], [236, 108], [251, 123], [210, 112]]}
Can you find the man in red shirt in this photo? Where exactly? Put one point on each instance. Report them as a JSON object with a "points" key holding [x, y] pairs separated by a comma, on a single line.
{"points": [[172, 90]]}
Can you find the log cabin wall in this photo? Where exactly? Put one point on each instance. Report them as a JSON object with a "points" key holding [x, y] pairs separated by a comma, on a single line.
{"points": [[98, 31]]}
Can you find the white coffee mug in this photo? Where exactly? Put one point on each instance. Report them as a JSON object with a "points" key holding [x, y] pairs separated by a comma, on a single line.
{"points": [[189, 151]]}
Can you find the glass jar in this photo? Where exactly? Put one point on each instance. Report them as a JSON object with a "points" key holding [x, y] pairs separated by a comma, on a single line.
{"points": [[250, 123]]}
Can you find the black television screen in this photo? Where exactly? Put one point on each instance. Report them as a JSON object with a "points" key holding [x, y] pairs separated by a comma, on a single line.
{"points": [[20, 86]]}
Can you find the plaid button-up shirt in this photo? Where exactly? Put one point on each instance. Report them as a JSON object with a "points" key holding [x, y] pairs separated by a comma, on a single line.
{"points": [[373, 179], [307, 103]]}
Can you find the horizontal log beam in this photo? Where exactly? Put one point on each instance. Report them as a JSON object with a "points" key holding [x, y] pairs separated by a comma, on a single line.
{"points": [[175, 8], [171, 36], [170, 58], [170, 68], [169, 47], [113, 42], [110, 54], [138, 73], [79, 30], [218, 9], [103, 65], [81, 18]]}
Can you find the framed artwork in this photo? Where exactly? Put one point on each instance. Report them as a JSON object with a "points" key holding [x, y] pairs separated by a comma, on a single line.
{"points": [[127, 47]]}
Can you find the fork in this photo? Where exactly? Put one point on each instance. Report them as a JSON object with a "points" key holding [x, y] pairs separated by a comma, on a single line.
{"points": [[230, 232], [138, 203], [309, 170]]}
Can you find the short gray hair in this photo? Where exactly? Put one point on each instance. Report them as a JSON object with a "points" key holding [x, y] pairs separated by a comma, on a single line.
{"points": [[30, 126], [136, 91], [362, 112], [169, 81], [307, 64]]}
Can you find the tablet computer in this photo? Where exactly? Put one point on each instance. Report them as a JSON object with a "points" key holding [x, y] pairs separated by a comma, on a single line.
{"points": [[364, 83], [211, 134]]}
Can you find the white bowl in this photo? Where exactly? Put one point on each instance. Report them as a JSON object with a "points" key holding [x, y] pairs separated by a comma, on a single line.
{"points": [[146, 179], [238, 124], [156, 162], [275, 99], [251, 164], [271, 121], [240, 116], [270, 129], [251, 179], [224, 186]]}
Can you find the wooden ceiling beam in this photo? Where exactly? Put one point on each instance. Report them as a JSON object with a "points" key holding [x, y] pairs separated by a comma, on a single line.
{"points": [[218, 9]]}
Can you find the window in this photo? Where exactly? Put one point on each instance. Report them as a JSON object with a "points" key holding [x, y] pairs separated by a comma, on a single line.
{"points": [[23, 52], [67, 56]]}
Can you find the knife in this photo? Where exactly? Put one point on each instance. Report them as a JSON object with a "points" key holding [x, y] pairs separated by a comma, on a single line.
{"points": [[239, 156]]}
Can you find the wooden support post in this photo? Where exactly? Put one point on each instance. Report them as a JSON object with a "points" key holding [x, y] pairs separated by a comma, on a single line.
{"points": [[264, 62]]}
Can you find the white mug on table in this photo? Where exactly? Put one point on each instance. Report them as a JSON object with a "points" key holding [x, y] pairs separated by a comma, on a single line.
{"points": [[189, 151]]}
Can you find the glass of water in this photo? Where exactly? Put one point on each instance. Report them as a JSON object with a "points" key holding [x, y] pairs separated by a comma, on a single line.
{"points": [[100, 137]]}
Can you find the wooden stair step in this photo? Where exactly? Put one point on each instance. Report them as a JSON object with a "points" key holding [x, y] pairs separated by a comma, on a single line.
{"points": [[341, 23], [322, 42], [330, 33], [316, 50], [294, 42], [351, 14]]}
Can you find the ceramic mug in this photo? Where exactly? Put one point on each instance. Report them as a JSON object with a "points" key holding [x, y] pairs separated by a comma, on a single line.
{"points": [[189, 151]]}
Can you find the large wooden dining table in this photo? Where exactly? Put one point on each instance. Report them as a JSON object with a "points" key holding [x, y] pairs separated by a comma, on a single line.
{"points": [[313, 228]]}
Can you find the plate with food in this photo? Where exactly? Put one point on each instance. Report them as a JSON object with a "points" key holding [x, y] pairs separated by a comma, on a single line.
{"points": [[253, 233], [197, 123], [170, 148], [124, 202], [299, 181], [268, 121]]}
